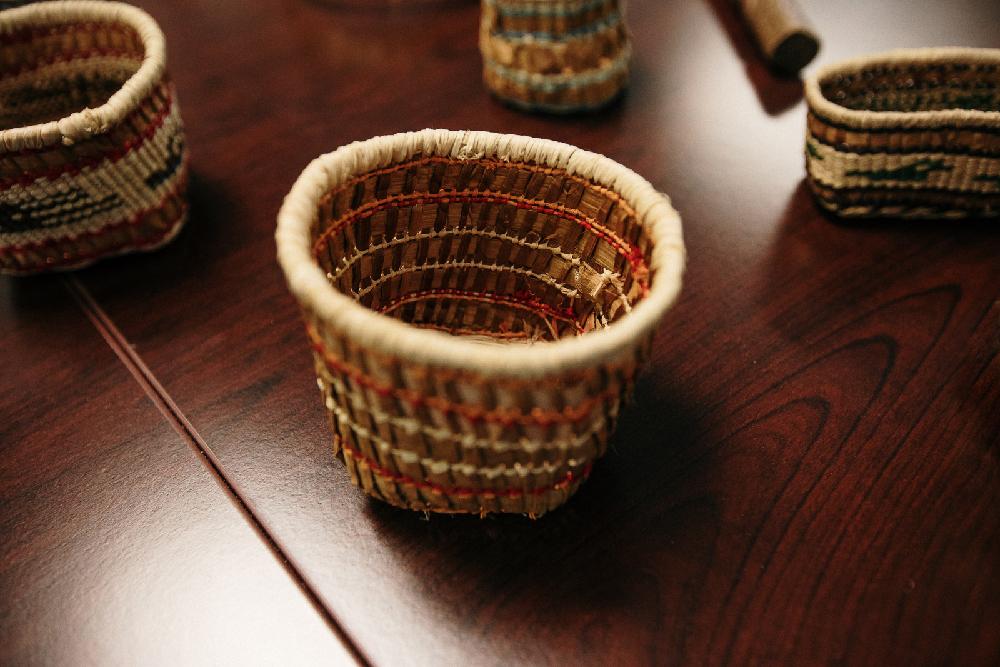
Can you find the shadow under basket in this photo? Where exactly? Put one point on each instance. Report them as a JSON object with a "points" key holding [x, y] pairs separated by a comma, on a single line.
{"points": [[478, 306]]}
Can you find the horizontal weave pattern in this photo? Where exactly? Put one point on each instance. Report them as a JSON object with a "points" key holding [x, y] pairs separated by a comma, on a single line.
{"points": [[913, 134], [503, 252], [117, 184], [560, 57]]}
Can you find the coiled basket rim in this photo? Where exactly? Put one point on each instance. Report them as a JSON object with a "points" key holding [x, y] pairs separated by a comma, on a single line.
{"points": [[862, 119], [383, 334], [87, 122]]}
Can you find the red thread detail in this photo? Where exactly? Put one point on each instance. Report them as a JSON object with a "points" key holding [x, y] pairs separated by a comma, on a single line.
{"points": [[33, 33], [523, 299], [631, 253], [490, 162], [73, 258], [112, 156], [399, 478], [537, 416], [503, 333], [72, 57], [163, 90], [561, 313]]}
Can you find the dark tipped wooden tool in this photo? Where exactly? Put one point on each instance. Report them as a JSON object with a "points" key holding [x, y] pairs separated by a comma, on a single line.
{"points": [[782, 32]]}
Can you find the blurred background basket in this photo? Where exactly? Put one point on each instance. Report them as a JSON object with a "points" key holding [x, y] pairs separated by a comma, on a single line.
{"points": [[478, 306], [92, 156], [911, 133], [558, 56]]}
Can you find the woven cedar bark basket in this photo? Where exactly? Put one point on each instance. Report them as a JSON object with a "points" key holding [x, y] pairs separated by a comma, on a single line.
{"points": [[557, 56], [478, 306], [92, 157], [913, 133]]}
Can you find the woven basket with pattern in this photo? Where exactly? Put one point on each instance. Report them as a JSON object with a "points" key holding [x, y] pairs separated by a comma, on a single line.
{"points": [[913, 134], [557, 56], [478, 306], [92, 157]]}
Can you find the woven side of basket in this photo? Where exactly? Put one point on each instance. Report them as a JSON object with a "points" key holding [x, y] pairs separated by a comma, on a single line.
{"points": [[74, 185], [915, 134], [500, 252], [561, 57]]}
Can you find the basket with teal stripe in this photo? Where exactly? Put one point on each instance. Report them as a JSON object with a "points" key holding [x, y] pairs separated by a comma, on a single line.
{"points": [[909, 134], [560, 56]]}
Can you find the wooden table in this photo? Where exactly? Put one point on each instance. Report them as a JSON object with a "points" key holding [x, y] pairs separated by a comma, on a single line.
{"points": [[809, 474]]}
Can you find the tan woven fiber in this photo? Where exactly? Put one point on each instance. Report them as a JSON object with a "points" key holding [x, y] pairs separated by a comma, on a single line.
{"points": [[562, 56], [92, 155], [912, 133], [478, 306]]}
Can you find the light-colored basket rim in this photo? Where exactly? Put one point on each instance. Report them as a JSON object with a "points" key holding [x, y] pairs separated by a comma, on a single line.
{"points": [[381, 333], [863, 119], [87, 122]]}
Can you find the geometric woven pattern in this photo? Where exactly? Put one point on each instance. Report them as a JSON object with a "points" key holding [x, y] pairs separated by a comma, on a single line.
{"points": [[92, 155], [912, 134], [478, 306], [559, 57]]}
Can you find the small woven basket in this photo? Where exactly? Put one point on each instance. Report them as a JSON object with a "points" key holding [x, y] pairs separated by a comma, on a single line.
{"points": [[478, 306], [912, 134], [558, 56], [92, 157]]}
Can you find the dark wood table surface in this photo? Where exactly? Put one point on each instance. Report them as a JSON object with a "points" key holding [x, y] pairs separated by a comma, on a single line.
{"points": [[808, 474]]}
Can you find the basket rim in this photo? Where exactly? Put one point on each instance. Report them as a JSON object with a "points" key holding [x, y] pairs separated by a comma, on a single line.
{"points": [[307, 280], [87, 122], [865, 119]]}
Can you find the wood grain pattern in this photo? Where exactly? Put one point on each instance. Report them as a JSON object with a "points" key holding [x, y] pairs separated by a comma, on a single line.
{"points": [[809, 473], [116, 546]]}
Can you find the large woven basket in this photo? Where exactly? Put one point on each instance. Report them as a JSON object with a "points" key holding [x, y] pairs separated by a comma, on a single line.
{"points": [[557, 56], [478, 306], [92, 157], [913, 133]]}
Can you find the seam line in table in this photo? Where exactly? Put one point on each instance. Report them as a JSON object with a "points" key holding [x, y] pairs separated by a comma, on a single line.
{"points": [[168, 408]]}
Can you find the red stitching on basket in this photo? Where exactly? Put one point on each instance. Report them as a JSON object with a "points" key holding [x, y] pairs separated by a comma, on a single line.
{"points": [[112, 156], [32, 33], [485, 162], [399, 478], [504, 333], [632, 254], [537, 416], [73, 57], [70, 258], [523, 300]]}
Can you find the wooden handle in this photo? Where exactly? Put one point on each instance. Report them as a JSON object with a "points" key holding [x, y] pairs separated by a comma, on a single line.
{"points": [[783, 34]]}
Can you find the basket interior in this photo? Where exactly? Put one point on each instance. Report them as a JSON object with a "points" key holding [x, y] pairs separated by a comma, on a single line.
{"points": [[49, 72], [484, 248], [917, 87]]}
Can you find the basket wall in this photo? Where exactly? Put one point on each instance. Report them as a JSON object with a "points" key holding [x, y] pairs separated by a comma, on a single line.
{"points": [[503, 253], [562, 57], [945, 166], [69, 203]]}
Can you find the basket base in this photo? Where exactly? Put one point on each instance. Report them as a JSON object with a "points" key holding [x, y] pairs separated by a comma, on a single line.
{"points": [[146, 232], [525, 98], [421, 496], [911, 204]]}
